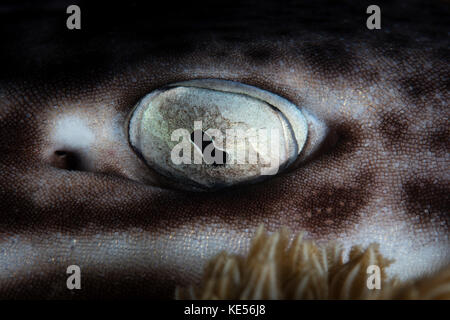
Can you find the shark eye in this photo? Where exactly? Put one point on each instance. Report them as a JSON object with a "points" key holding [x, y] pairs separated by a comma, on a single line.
{"points": [[203, 135]]}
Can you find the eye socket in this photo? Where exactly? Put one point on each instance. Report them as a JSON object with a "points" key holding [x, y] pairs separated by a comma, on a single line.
{"points": [[203, 135]]}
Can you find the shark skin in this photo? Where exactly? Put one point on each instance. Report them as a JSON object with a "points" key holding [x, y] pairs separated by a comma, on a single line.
{"points": [[73, 191]]}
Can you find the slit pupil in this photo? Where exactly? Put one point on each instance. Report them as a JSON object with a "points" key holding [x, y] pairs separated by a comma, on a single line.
{"points": [[203, 144]]}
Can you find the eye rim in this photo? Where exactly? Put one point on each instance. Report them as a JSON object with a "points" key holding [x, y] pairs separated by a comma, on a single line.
{"points": [[268, 97]]}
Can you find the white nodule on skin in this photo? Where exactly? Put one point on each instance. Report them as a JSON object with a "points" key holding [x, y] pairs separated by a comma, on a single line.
{"points": [[71, 135], [73, 131]]}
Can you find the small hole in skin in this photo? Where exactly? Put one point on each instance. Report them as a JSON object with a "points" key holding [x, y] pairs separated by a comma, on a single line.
{"points": [[60, 153], [66, 160]]}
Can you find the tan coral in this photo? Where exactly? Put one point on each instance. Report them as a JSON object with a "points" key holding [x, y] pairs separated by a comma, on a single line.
{"points": [[276, 268]]}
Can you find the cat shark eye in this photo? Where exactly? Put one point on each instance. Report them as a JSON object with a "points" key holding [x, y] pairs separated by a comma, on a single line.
{"points": [[204, 135]]}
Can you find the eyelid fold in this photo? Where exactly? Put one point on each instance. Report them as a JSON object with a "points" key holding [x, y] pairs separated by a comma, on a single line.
{"points": [[194, 133]]}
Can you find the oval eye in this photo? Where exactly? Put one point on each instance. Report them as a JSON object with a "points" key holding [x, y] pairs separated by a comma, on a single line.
{"points": [[208, 134]]}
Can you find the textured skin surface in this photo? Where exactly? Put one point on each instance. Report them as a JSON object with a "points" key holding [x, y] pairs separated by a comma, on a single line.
{"points": [[382, 175]]}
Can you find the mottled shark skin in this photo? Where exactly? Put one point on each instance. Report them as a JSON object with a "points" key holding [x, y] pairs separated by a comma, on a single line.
{"points": [[382, 173]]}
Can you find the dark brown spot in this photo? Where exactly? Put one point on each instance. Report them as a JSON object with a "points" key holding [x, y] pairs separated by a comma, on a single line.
{"points": [[329, 60], [416, 87], [393, 128], [427, 200], [439, 141], [340, 205], [343, 140]]}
